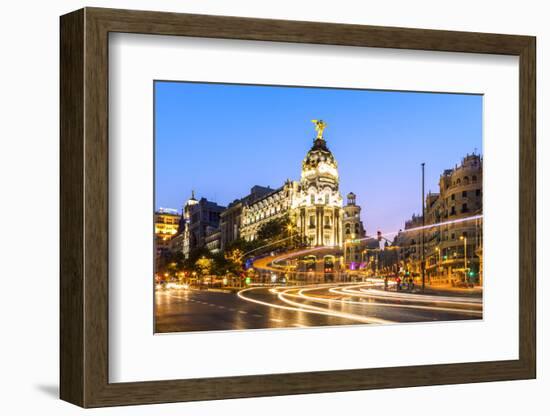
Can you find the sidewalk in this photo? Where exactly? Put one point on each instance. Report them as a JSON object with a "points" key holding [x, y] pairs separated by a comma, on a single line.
{"points": [[443, 290]]}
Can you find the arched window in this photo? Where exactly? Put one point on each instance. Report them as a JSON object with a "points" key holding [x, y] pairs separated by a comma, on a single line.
{"points": [[474, 178]]}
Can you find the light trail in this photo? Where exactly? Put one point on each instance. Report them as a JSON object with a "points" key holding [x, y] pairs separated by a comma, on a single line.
{"points": [[440, 224], [390, 305], [425, 227], [403, 296], [368, 237], [365, 319], [425, 298], [264, 246], [258, 264], [297, 307], [272, 266], [294, 298], [301, 253]]}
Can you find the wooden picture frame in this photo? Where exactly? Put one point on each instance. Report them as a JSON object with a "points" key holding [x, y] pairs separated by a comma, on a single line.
{"points": [[84, 207]]}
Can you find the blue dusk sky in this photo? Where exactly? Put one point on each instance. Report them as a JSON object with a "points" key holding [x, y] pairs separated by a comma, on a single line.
{"points": [[221, 140]]}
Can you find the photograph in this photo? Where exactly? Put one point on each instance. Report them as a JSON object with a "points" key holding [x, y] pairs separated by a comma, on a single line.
{"points": [[283, 206], [274, 208]]}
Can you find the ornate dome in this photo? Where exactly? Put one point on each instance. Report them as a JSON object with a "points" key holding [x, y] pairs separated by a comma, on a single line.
{"points": [[319, 153], [318, 186], [319, 167]]}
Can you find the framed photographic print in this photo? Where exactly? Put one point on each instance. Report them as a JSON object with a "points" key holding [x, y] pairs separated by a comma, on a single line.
{"points": [[255, 207]]}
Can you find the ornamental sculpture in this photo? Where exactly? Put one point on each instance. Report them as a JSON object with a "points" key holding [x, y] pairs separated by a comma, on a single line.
{"points": [[320, 126]]}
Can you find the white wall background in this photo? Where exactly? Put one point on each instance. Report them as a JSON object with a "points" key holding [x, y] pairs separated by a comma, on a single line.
{"points": [[29, 159]]}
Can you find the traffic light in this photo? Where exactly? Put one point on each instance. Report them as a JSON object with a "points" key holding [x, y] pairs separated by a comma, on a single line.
{"points": [[472, 273], [379, 235], [445, 257]]}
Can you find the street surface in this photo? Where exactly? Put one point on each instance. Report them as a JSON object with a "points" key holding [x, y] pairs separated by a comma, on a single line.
{"points": [[182, 310]]}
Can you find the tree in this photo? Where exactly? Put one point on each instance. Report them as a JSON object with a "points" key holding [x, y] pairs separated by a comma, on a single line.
{"points": [[234, 260], [242, 245], [273, 229], [191, 262], [219, 265], [282, 228], [170, 262], [204, 265]]}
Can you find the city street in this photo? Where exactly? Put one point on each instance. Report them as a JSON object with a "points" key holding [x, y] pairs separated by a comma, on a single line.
{"points": [[183, 310]]}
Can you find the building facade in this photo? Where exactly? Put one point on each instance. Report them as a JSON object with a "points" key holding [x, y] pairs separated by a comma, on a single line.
{"points": [[317, 205], [212, 240], [453, 245], [313, 205], [166, 226], [186, 246], [409, 245], [200, 218], [166, 223], [354, 234], [270, 206], [454, 250], [176, 243], [231, 219]]}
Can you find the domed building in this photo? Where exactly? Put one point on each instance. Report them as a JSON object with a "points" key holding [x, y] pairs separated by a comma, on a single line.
{"points": [[314, 204], [318, 204], [354, 234]]}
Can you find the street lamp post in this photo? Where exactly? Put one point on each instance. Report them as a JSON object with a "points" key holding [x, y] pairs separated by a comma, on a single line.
{"points": [[437, 250], [465, 258], [423, 260]]}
